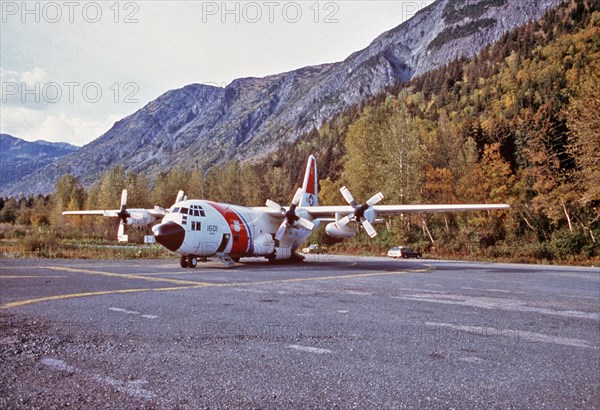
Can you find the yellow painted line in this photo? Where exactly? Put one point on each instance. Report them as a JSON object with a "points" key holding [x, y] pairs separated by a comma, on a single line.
{"points": [[21, 267], [356, 276], [28, 277], [189, 272], [127, 276], [319, 278], [87, 294], [196, 285]]}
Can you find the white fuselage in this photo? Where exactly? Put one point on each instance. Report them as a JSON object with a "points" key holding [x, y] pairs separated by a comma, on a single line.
{"points": [[208, 228]]}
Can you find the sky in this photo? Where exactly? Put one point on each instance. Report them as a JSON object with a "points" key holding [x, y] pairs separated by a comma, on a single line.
{"points": [[71, 69]]}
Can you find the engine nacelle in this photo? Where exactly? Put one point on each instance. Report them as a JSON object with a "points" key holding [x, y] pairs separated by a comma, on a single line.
{"points": [[139, 217], [337, 232], [282, 254], [264, 245]]}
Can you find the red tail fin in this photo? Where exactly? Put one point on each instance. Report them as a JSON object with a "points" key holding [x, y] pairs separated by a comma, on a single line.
{"points": [[311, 184]]}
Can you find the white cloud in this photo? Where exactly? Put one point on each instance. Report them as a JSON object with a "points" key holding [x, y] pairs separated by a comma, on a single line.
{"points": [[73, 130], [34, 125], [8, 75], [30, 111], [25, 89], [37, 75]]}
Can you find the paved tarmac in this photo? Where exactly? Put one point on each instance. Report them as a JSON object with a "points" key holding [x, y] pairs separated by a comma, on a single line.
{"points": [[332, 332]]}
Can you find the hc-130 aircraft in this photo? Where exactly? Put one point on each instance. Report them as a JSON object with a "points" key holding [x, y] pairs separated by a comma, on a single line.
{"points": [[199, 229]]}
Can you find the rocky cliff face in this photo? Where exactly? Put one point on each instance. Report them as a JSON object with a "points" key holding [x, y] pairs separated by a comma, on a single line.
{"points": [[203, 125]]}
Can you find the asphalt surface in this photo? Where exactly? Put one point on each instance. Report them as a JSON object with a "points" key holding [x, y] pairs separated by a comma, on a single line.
{"points": [[332, 332]]}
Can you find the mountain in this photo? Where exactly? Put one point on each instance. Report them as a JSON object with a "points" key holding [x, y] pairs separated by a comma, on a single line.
{"points": [[20, 159], [201, 125]]}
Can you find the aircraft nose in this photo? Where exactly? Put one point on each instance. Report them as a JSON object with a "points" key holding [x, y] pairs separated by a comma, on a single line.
{"points": [[170, 235]]}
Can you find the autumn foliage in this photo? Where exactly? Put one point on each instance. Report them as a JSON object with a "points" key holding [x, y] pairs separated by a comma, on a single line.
{"points": [[518, 123]]}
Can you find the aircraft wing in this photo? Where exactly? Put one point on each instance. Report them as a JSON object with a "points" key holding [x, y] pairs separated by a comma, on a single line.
{"points": [[113, 213], [325, 213], [135, 217], [110, 213], [322, 212], [158, 212], [426, 209]]}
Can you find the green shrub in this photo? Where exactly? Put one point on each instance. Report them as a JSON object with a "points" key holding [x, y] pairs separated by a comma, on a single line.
{"points": [[566, 244]]}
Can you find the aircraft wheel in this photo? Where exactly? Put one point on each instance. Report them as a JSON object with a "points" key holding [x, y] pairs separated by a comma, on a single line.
{"points": [[192, 261], [235, 259], [184, 262]]}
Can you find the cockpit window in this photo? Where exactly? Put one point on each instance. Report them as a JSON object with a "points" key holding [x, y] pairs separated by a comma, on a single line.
{"points": [[184, 211], [175, 210], [196, 210]]}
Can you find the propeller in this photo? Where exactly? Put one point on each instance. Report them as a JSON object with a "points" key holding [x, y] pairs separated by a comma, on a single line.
{"points": [[123, 215], [359, 211], [291, 219]]}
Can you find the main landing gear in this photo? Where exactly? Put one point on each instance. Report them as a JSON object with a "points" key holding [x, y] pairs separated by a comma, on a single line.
{"points": [[188, 261], [191, 261]]}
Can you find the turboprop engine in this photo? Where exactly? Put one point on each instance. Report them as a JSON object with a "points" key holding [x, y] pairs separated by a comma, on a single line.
{"points": [[139, 217], [363, 215], [293, 218], [132, 217], [337, 232]]}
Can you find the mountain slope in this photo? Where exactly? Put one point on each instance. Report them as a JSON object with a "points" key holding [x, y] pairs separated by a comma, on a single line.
{"points": [[20, 158], [200, 125]]}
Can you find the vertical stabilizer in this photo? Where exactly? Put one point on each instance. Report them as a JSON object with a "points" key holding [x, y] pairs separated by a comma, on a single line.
{"points": [[311, 184]]}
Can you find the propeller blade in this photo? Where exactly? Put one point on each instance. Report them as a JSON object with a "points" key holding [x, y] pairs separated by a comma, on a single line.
{"points": [[359, 211], [298, 197], [121, 237], [123, 214], [281, 230], [274, 206], [291, 218], [375, 199], [348, 196], [344, 221], [369, 228], [180, 196], [306, 224]]}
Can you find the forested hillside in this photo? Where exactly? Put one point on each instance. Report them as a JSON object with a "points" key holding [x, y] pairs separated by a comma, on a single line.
{"points": [[518, 123]]}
